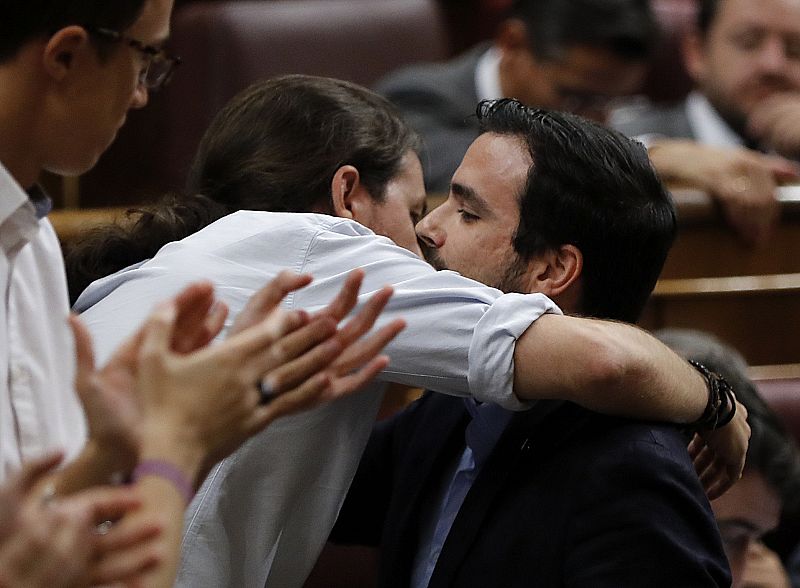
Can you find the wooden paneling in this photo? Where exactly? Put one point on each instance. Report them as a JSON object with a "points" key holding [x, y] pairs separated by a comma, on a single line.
{"points": [[706, 247], [758, 315], [780, 387], [70, 223]]}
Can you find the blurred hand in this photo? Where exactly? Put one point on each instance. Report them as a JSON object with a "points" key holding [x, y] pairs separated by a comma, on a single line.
{"points": [[109, 395], [775, 123], [742, 181], [211, 395], [719, 455], [15, 491], [53, 543]]}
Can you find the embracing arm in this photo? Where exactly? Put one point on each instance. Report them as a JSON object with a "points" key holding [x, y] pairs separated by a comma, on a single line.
{"points": [[608, 367], [619, 369]]}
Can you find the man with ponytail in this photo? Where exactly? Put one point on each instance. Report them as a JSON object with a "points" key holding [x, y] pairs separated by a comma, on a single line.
{"points": [[323, 176]]}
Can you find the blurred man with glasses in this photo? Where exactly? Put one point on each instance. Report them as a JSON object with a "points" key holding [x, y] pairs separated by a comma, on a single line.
{"points": [[737, 135], [69, 73], [572, 55]]}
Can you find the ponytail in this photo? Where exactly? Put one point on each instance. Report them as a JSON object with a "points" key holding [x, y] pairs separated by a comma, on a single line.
{"points": [[110, 248]]}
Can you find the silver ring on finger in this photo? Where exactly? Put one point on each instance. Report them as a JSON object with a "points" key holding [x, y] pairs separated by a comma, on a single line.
{"points": [[266, 393]]}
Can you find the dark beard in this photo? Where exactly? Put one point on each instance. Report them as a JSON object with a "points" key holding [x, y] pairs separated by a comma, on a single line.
{"points": [[431, 255], [512, 277], [737, 120], [510, 281]]}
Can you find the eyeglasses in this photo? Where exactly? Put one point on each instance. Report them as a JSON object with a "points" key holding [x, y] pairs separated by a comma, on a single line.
{"points": [[159, 65], [578, 101]]}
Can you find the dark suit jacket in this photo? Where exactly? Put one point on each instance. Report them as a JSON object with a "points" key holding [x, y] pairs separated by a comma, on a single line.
{"points": [[573, 499], [666, 121], [439, 102]]}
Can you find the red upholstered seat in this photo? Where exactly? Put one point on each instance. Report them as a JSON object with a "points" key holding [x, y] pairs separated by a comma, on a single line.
{"points": [[668, 80], [226, 46], [783, 396]]}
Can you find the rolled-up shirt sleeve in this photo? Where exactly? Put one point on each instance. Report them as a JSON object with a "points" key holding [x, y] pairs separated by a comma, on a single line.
{"points": [[491, 352]]}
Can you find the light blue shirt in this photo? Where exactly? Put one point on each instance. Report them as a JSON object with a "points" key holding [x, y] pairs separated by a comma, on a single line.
{"points": [[481, 435], [263, 514]]}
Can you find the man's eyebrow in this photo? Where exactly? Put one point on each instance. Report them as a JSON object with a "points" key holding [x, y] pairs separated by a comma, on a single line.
{"points": [[470, 197]]}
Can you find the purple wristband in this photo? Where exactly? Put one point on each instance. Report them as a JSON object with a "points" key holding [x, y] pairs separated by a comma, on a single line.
{"points": [[167, 471]]}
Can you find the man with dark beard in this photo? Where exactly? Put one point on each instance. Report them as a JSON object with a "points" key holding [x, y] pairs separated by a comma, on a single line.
{"points": [[737, 136], [463, 494]]}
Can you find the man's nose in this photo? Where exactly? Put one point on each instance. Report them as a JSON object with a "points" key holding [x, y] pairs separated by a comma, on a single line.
{"points": [[429, 233], [772, 56], [140, 96]]}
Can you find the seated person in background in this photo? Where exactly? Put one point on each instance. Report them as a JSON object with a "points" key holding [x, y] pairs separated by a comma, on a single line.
{"points": [[460, 494], [771, 479], [344, 165], [737, 136], [572, 55]]}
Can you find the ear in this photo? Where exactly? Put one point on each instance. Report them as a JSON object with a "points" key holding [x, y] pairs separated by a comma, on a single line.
{"points": [[61, 50], [694, 54], [349, 196], [556, 272]]}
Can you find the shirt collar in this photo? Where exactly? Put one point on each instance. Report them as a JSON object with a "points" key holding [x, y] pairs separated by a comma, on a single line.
{"points": [[41, 201], [20, 213], [707, 124], [487, 76], [12, 196]]}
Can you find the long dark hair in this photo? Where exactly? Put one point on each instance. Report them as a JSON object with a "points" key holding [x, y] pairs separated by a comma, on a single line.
{"points": [[275, 147]]}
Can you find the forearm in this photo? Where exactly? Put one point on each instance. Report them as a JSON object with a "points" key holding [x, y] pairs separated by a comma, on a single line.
{"points": [[95, 466], [608, 367], [162, 501], [685, 163]]}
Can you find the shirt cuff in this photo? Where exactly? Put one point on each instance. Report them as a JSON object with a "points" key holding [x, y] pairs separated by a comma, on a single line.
{"points": [[491, 353]]}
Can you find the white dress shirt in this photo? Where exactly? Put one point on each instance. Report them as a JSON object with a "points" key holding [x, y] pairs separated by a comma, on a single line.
{"points": [[707, 125], [39, 410], [487, 75], [263, 515]]}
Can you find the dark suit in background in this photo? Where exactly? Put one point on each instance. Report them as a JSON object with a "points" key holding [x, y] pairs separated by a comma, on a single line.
{"points": [[567, 498], [670, 122], [439, 102]]}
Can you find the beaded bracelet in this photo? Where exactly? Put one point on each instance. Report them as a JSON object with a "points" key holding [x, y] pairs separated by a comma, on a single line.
{"points": [[721, 406], [167, 471]]}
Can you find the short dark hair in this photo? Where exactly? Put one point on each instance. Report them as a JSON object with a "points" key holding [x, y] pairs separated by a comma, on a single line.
{"points": [[625, 27], [772, 451], [594, 188], [275, 147], [25, 20]]}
